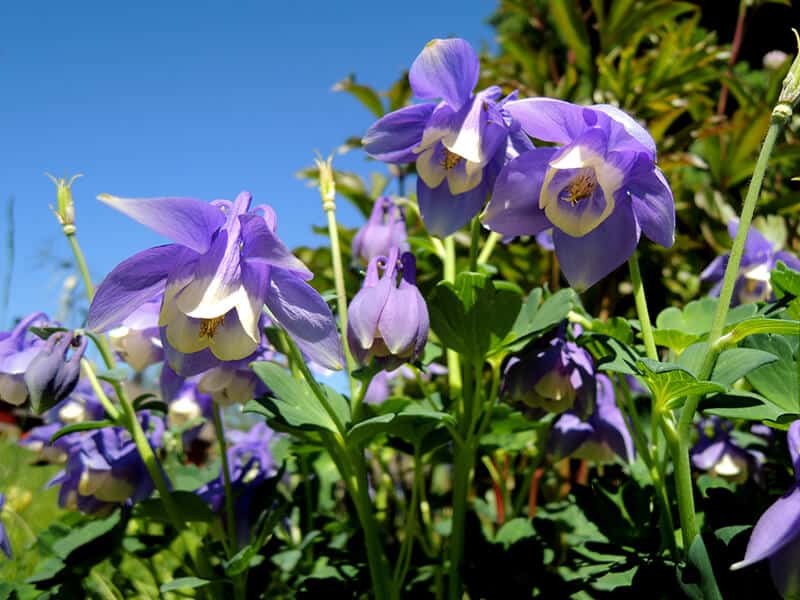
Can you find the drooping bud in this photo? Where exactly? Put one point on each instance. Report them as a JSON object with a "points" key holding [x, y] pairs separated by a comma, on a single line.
{"points": [[54, 372], [556, 378], [385, 229], [388, 319], [65, 208]]}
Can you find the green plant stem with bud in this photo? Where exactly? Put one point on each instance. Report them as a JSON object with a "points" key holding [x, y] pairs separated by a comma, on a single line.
{"points": [[680, 447], [327, 191]]}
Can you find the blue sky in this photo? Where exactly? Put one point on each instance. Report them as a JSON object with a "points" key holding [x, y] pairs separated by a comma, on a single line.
{"points": [[199, 99]]}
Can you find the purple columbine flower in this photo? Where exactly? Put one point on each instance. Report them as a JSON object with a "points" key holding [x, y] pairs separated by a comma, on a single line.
{"points": [[251, 464], [598, 190], [18, 348], [105, 469], [186, 402], [5, 543], [554, 376], [759, 258], [225, 265], [776, 536], [717, 453], [54, 371], [459, 144], [385, 229], [388, 318], [137, 340], [604, 435]]}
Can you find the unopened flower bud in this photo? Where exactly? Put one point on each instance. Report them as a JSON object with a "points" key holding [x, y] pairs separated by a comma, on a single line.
{"points": [[790, 92], [327, 183], [65, 208], [385, 229], [388, 319], [52, 374]]}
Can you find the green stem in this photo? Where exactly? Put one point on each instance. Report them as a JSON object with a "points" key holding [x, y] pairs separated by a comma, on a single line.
{"points": [[453, 365], [488, 247], [109, 407], [474, 243], [464, 460], [341, 295], [81, 262], [239, 585], [679, 447], [641, 307], [406, 549]]}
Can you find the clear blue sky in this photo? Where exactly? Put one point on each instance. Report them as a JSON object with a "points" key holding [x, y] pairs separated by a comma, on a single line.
{"points": [[187, 98]]}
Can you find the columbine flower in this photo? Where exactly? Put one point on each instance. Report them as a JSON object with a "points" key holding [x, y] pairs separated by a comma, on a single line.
{"points": [[226, 264], [187, 403], [104, 469], [137, 340], [18, 348], [601, 437], [388, 318], [718, 453], [759, 258], [776, 536], [54, 371], [598, 190], [250, 463], [459, 145], [5, 544], [385, 229], [555, 376]]}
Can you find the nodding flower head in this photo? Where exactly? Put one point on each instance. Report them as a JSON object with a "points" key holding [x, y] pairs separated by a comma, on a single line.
{"points": [[459, 144], [718, 453], [18, 348], [385, 229], [54, 372], [387, 321], [758, 260], [555, 377], [225, 265]]}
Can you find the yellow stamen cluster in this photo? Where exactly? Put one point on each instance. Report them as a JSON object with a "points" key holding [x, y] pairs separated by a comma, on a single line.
{"points": [[581, 187], [451, 159], [208, 327]]}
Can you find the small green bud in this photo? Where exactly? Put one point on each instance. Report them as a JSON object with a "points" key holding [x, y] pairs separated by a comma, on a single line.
{"points": [[790, 92], [65, 207], [327, 184]]}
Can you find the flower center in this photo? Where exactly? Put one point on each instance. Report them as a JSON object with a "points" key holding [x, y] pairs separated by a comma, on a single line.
{"points": [[451, 159], [208, 327], [581, 187]]}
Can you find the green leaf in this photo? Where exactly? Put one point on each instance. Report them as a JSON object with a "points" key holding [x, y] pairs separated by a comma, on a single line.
{"points": [[678, 329], [706, 482], [611, 354], [364, 94], [184, 583], [670, 383], [192, 508], [697, 577], [513, 531], [786, 282], [45, 332], [474, 314], [569, 25], [536, 316], [411, 424], [735, 363], [85, 426], [85, 534], [757, 325], [154, 405], [777, 381], [745, 405], [295, 403], [726, 534]]}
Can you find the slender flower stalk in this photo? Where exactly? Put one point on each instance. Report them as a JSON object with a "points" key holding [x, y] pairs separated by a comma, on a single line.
{"points": [[453, 365], [488, 247], [641, 307], [327, 190], [680, 447]]}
